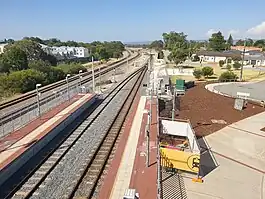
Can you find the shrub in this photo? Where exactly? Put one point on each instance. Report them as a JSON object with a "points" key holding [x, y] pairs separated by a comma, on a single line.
{"points": [[25, 80], [236, 65], [228, 76], [197, 73], [221, 63], [53, 74], [72, 68], [207, 71], [228, 67]]}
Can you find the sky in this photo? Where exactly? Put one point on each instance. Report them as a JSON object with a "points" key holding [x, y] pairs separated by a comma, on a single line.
{"points": [[130, 21]]}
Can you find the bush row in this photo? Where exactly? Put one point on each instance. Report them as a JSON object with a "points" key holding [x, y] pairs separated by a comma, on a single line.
{"points": [[39, 72]]}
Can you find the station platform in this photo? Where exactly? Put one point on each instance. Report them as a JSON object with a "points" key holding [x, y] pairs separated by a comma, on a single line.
{"points": [[17, 143], [128, 168]]}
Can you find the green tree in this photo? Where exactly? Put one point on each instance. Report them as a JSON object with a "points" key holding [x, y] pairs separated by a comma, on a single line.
{"points": [[221, 63], [228, 67], [4, 67], [207, 71], [178, 45], [157, 45], [217, 42], [249, 42], [33, 50], [228, 76], [236, 65], [197, 73], [240, 42], [15, 58], [260, 43], [230, 41]]}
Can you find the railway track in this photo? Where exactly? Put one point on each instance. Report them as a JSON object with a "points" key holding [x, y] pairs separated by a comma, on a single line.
{"points": [[60, 172], [62, 82], [23, 110], [87, 182]]}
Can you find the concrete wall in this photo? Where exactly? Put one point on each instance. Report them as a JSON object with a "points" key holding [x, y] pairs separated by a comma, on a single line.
{"points": [[22, 159]]}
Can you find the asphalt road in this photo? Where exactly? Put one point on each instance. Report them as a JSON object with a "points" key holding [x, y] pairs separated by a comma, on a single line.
{"points": [[256, 90]]}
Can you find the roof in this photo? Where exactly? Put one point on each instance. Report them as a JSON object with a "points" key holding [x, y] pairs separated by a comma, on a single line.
{"points": [[247, 48], [232, 54], [254, 57]]}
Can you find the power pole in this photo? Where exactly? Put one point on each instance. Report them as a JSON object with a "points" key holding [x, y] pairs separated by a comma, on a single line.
{"points": [[242, 64], [173, 105], [148, 128], [99, 77]]}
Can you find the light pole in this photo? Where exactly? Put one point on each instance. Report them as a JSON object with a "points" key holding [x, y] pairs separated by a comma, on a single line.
{"points": [[242, 64], [38, 98], [80, 77], [93, 74], [99, 78], [67, 82], [148, 128]]}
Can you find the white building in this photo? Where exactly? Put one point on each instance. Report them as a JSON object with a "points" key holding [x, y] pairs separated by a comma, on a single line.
{"points": [[2, 46], [66, 50]]}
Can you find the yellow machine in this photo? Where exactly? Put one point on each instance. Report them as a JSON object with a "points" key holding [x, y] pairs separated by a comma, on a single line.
{"points": [[178, 147]]}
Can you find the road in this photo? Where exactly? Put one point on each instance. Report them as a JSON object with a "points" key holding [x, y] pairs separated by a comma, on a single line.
{"points": [[256, 90]]}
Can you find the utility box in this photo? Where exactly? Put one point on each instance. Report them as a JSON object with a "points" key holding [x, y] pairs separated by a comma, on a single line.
{"points": [[131, 194], [180, 84]]}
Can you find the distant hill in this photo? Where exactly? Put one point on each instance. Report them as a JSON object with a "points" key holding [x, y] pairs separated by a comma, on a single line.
{"points": [[138, 43]]}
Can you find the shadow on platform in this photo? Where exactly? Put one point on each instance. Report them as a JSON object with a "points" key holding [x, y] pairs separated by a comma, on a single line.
{"points": [[208, 162]]}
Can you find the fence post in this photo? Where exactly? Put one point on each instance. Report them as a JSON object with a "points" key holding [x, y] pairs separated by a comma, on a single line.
{"points": [[2, 124]]}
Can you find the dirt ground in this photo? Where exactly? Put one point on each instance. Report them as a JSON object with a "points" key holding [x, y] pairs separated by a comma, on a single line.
{"points": [[201, 106]]}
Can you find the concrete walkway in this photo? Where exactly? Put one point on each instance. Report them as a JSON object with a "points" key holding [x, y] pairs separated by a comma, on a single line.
{"points": [[7, 155], [239, 150]]}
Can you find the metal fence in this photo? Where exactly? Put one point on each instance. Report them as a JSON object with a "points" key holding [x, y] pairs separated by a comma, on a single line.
{"points": [[10, 122]]}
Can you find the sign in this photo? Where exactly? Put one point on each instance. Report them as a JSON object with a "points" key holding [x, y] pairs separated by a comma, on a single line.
{"points": [[194, 163], [242, 95], [239, 104], [186, 161]]}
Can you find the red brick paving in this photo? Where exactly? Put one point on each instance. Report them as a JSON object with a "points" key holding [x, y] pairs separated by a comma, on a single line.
{"points": [[109, 179], [33, 125], [144, 178]]}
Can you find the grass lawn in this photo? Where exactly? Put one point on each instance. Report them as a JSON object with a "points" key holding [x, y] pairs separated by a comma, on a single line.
{"points": [[186, 78], [248, 74]]}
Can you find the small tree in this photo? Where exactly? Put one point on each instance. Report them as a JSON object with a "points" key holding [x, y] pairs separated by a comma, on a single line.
{"points": [[228, 67], [221, 63], [236, 65], [207, 71], [227, 76], [197, 73]]}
